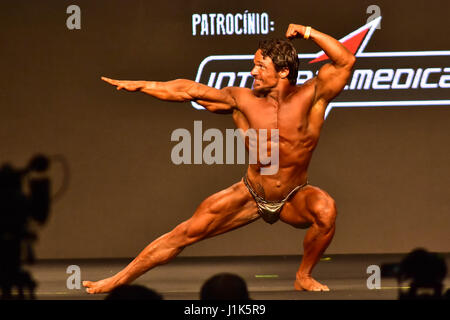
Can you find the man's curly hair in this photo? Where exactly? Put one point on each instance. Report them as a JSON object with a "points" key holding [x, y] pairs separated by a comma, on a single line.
{"points": [[283, 55]]}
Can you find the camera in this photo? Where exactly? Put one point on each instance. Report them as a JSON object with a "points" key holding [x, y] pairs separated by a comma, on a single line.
{"points": [[24, 198]]}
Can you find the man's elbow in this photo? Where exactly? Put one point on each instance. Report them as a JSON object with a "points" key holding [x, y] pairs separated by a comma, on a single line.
{"points": [[351, 60], [345, 61]]}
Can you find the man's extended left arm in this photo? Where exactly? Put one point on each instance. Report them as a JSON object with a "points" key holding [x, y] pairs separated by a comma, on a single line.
{"points": [[333, 76]]}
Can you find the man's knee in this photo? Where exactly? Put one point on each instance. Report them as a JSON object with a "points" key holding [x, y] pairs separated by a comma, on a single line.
{"points": [[324, 211]]}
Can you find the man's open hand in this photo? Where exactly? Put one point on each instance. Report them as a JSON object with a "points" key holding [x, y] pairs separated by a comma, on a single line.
{"points": [[295, 31], [125, 84]]}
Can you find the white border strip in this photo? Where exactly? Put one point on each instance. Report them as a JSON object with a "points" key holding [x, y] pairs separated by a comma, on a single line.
{"points": [[359, 104], [222, 57], [405, 54], [373, 25]]}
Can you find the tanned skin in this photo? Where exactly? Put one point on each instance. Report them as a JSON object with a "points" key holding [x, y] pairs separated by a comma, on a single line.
{"points": [[273, 103]]}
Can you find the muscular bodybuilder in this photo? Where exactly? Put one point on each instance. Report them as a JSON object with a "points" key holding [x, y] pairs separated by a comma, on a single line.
{"points": [[274, 102]]}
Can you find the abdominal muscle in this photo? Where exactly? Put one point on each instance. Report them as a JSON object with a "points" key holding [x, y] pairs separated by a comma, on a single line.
{"points": [[292, 172]]}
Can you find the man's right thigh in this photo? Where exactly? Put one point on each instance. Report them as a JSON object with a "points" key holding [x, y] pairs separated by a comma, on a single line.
{"points": [[221, 212]]}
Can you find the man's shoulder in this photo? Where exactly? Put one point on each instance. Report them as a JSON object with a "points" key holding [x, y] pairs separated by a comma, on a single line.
{"points": [[306, 88], [241, 94], [239, 90], [310, 83]]}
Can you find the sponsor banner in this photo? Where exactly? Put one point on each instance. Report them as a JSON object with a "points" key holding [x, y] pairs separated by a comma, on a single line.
{"points": [[409, 78]]}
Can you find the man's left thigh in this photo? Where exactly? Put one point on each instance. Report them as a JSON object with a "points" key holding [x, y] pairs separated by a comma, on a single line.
{"points": [[305, 207]]}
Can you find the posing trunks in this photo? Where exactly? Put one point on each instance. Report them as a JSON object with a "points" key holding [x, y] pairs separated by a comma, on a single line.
{"points": [[270, 210]]}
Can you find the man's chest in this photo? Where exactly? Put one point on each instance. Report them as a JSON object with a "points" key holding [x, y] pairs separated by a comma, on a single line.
{"points": [[283, 116]]}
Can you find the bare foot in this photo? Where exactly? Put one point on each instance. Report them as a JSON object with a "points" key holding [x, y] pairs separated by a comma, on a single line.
{"points": [[102, 286], [309, 284]]}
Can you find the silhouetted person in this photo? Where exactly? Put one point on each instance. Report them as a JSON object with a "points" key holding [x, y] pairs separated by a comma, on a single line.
{"points": [[224, 286], [426, 270], [133, 292]]}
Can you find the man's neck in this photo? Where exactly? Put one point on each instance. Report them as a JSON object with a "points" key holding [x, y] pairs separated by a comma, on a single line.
{"points": [[280, 92]]}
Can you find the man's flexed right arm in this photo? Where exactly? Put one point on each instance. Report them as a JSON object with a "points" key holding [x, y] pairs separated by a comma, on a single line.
{"points": [[182, 90]]}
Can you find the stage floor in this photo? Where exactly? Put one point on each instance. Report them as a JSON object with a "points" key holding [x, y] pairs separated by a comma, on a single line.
{"points": [[267, 277]]}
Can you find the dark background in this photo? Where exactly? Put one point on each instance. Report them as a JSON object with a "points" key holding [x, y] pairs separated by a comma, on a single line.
{"points": [[387, 168]]}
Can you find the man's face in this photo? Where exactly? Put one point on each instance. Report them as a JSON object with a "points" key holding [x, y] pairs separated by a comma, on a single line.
{"points": [[264, 73]]}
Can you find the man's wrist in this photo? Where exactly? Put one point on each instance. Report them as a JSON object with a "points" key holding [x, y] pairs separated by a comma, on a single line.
{"points": [[307, 32]]}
